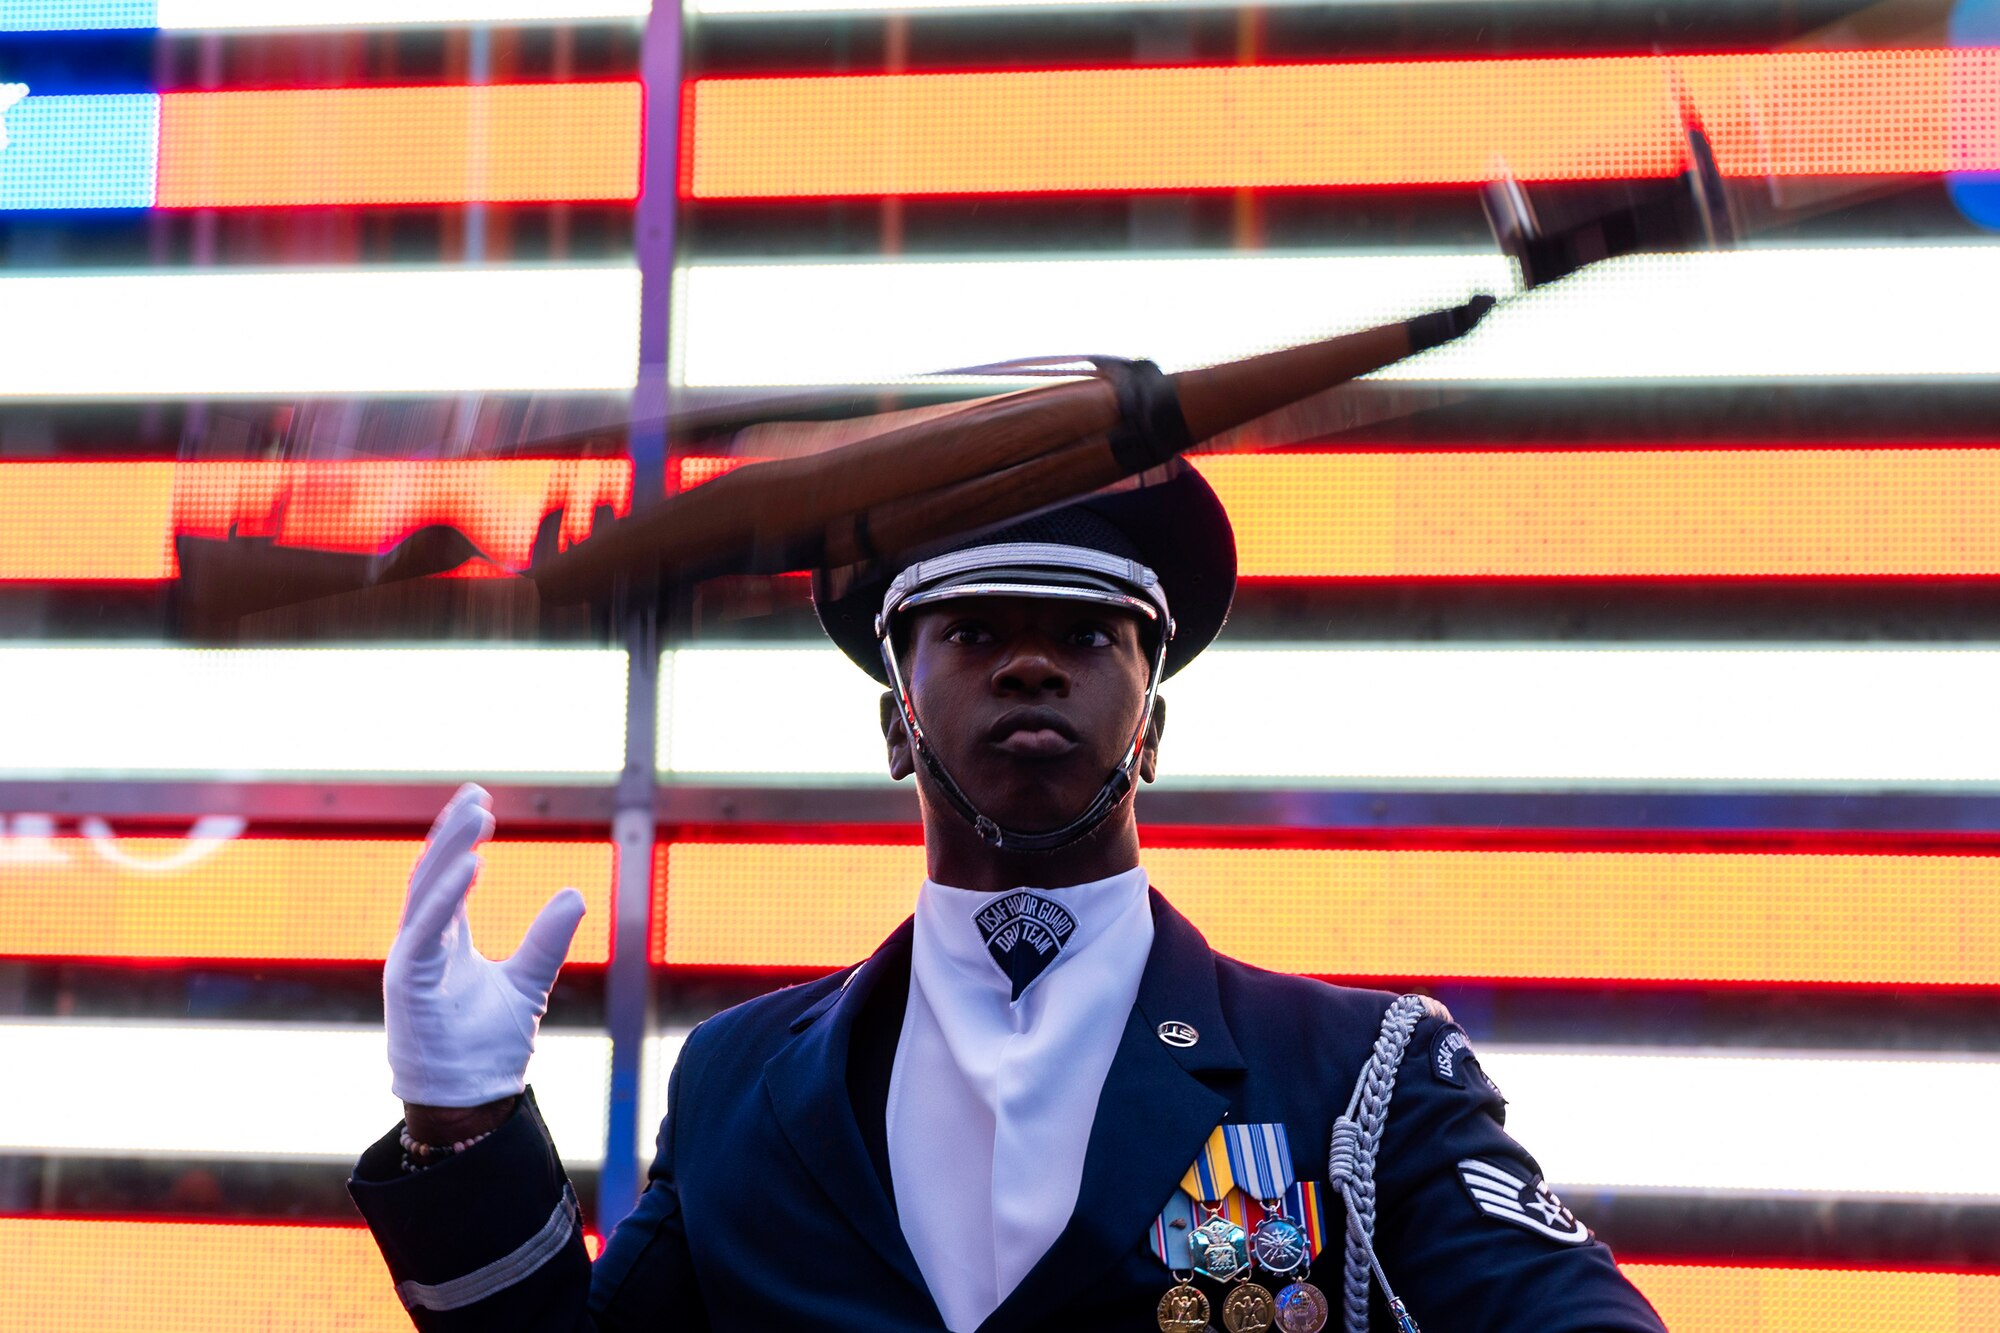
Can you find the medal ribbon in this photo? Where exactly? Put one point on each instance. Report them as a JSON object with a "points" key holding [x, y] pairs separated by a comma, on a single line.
{"points": [[1169, 1232], [1302, 1205], [1259, 1158], [1210, 1178]]}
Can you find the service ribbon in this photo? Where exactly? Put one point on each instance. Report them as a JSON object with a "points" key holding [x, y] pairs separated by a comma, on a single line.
{"points": [[1259, 1158], [1170, 1232], [1210, 1178]]}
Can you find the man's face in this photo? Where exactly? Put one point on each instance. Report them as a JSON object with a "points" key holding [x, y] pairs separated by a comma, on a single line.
{"points": [[1030, 702]]}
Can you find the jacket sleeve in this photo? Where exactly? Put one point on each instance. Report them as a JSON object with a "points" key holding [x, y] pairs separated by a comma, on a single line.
{"points": [[491, 1239], [1468, 1233]]}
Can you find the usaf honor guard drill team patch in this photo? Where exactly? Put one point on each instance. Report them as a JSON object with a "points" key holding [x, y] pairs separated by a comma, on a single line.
{"points": [[1024, 932], [1499, 1192]]}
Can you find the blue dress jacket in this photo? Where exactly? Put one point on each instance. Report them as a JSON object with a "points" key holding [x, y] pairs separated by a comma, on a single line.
{"points": [[765, 1209]]}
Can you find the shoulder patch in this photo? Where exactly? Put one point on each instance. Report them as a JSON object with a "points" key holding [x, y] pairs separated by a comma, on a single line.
{"points": [[1453, 1061], [1499, 1191]]}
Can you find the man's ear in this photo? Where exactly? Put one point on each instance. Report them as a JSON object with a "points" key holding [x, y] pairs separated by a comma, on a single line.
{"points": [[1149, 749], [902, 762]]}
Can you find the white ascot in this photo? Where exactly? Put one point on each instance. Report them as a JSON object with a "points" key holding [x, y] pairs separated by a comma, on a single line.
{"points": [[991, 1098]]}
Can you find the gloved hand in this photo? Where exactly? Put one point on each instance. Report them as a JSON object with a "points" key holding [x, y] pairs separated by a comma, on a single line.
{"points": [[461, 1027]]}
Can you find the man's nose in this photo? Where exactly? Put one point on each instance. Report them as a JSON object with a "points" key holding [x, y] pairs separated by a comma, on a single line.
{"points": [[1031, 666]]}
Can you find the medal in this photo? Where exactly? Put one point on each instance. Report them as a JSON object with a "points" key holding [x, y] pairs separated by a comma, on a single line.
{"points": [[1279, 1245], [1183, 1309], [1248, 1309], [1219, 1248], [1301, 1309]]}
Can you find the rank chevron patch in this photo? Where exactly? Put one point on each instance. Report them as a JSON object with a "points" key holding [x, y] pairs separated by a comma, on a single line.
{"points": [[1532, 1205]]}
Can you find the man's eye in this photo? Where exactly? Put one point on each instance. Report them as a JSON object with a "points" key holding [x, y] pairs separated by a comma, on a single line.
{"points": [[966, 634], [1091, 636]]}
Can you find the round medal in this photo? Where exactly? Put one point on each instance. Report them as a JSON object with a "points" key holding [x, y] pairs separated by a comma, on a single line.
{"points": [[1248, 1309], [1301, 1309], [1183, 1310], [1279, 1245], [1219, 1248]]}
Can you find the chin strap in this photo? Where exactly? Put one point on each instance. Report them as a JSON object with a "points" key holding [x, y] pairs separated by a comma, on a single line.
{"points": [[1013, 840]]}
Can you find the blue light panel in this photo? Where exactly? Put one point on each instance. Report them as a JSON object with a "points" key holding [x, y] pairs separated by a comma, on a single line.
{"points": [[75, 15], [97, 151]]}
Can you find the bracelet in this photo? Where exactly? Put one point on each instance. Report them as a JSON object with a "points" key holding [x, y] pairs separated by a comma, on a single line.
{"points": [[417, 1156]]}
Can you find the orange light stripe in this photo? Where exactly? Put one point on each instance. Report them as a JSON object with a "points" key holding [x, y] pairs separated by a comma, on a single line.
{"points": [[1656, 513], [1777, 918], [84, 521], [195, 1277], [1627, 513], [294, 899], [1814, 113], [434, 145], [1817, 1300], [1616, 513]]}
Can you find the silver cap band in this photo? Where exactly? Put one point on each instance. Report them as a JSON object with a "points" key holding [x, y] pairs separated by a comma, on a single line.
{"points": [[1029, 569]]}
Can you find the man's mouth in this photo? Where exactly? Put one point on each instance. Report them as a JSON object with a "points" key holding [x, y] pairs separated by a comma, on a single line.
{"points": [[1036, 733]]}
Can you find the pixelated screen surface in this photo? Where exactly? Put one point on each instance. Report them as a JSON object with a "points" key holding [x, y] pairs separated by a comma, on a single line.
{"points": [[306, 899], [1779, 114], [399, 145], [96, 151], [1358, 912], [120, 1275], [85, 521], [1619, 672], [1387, 513], [1867, 313]]}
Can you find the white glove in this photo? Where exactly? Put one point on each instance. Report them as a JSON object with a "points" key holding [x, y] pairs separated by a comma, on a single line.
{"points": [[461, 1027]]}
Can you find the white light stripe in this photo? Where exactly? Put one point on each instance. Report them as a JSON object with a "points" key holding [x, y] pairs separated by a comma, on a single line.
{"points": [[1527, 715], [1424, 715], [1753, 1121], [1757, 1121], [725, 9], [73, 711], [238, 15], [319, 331], [268, 1091], [1880, 313], [768, 710]]}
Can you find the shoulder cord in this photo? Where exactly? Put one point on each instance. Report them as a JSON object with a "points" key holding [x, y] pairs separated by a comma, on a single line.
{"points": [[1357, 1137]]}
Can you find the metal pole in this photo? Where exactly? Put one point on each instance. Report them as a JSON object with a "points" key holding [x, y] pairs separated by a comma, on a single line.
{"points": [[654, 239], [628, 1001]]}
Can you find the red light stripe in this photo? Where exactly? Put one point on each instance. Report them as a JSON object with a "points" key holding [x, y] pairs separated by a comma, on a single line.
{"points": [[90, 521], [1816, 113], [291, 899], [435, 145], [1647, 916], [192, 1277]]}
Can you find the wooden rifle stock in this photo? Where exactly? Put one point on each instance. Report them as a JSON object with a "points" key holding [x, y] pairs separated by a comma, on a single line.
{"points": [[772, 516], [992, 462]]}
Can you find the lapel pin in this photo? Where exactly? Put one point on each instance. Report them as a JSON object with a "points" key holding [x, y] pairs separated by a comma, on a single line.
{"points": [[1178, 1034]]}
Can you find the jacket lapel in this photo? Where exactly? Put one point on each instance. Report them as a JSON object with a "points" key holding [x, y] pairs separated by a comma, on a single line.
{"points": [[807, 1084], [1157, 1109]]}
